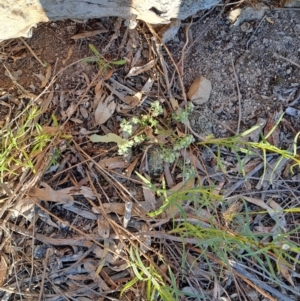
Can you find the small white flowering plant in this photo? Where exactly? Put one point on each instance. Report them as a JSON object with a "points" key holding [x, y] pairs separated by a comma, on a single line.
{"points": [[171, 151]]}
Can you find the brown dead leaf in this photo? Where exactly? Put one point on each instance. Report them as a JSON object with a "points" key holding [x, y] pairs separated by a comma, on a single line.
{"points": [[84, 112], [103, 227], [3, 270], [48, 194], [174, 104], [23, 207], [285, 273], [149, 197], [104, 110], [46, 102], [98, 94], [131, 167], [138, 70], [133, 100], [88, 34], [273, 138], [108, 280], [47, 77], [168, 175], [79, 190], [70, 51], [113, 163]]}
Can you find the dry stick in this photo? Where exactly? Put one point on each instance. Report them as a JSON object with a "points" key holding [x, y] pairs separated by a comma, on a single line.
{"points": [[32, 52], [43, 275], [171, 58], [32, 251], [181, 61], [16, 83], [284, 58], [247, 45], [239, 95], [15, 268]]}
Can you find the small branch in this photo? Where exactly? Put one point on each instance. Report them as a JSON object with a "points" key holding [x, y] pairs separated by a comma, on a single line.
{"points": [[32, 52], [247, 45], [284, 58]]}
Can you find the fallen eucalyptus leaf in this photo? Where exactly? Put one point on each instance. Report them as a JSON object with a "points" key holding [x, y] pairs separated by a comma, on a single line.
{"points": [[138, 70], [104, 110], [111, 137]]}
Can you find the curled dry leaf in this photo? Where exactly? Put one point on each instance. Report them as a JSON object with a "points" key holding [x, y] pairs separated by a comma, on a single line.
{"points": [[104, 110], [138, 70]]}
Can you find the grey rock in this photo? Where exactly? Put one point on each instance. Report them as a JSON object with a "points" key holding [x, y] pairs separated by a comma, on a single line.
{"points": [[238, 16], [17, 17]]}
